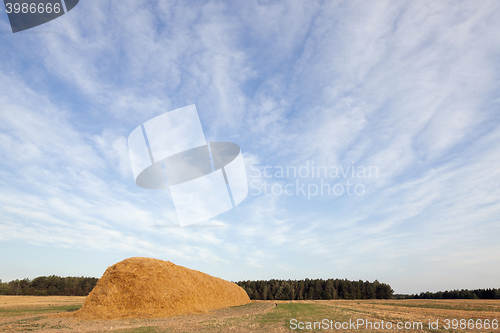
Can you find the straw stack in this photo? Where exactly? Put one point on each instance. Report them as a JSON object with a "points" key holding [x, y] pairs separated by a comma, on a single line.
{"points": [[152, 288]]}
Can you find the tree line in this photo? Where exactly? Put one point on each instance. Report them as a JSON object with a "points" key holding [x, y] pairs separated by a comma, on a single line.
{"points": [[315, 289], [49, 286], [491, 293]]}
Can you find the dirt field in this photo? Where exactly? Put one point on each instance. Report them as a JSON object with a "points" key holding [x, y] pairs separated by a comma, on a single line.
{"points": [[40, 314]]}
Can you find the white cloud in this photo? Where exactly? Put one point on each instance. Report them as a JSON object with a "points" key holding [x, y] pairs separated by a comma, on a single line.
{"points": [[408, 87]]}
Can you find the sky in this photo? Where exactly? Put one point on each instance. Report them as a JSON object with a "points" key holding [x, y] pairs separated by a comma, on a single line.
{"points": [[397, 100]]}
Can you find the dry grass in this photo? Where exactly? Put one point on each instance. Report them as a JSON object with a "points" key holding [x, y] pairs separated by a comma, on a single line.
{"points": [[152, 288], [31, 301], [412, 309]]}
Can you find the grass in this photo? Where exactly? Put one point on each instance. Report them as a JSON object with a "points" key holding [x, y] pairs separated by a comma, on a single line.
{"points": [[10, 312], [27, 325], [279, 317]]}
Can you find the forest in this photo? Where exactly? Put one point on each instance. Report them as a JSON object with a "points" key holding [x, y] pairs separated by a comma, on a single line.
{"points": [[491, 293], [315, 289], [49, 286]]}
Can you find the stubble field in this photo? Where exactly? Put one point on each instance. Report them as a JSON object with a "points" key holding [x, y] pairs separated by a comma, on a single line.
{"points": [[43, 314]]}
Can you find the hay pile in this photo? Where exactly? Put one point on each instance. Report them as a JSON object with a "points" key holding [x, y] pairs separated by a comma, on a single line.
{"points": [[152, 288]]}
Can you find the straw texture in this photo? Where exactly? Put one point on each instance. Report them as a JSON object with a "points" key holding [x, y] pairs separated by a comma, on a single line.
{"points": [[151, 288]]}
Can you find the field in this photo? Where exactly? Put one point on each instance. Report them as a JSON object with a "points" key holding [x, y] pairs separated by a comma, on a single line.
{"points": [[41, 314]]}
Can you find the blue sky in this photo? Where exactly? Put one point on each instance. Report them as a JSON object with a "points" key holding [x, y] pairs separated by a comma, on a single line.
{"points": [[409, 88]]}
